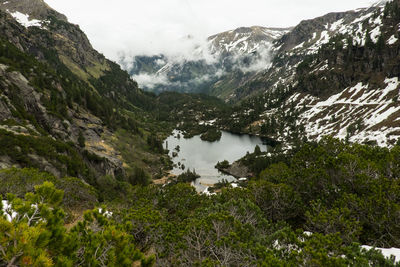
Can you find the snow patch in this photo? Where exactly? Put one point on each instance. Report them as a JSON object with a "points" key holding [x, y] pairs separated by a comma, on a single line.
{"points": [[105, 213], [362, 18], [375, 106], [234, 185], [207, 192], [24, 20], [392, 40], [387, 252], [375, 33], [8, 211], [299, 46], [336, 25]]}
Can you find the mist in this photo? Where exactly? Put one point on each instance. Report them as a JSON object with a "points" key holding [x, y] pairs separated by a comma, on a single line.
{"points": [[178, 30], [162, 27]]}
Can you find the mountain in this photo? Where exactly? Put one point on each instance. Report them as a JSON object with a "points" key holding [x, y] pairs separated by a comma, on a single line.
{"points": [[237, 53], [333, 75], [306, 39], [244, 40], [64, 108]]}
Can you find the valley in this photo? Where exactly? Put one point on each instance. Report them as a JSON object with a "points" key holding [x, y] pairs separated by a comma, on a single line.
{"points": [[264, 147]]}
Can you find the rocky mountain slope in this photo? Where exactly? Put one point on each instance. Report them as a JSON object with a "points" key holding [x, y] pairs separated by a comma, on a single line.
{"points": [[63, 105], [334, 75]]}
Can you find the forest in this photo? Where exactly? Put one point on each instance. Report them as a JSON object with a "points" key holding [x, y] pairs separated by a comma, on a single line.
{"points": [[314, 206]]}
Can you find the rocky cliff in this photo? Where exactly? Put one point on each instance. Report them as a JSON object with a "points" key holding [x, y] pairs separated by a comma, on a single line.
{"points": [[61, 96]]}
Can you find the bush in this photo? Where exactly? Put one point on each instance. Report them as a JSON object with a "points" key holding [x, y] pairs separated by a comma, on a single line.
{"points": [[139, 177], [81, 139], [222, 165], [188, 176], [211, 135]]}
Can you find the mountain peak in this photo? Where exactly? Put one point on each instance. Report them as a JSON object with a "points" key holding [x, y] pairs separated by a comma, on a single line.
{"points": [[35, 9], [245, 39]]}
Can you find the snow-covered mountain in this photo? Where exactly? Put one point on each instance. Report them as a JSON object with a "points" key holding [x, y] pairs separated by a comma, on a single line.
{"points": [[243, 50], [308, 38], [334, 75], [245, 40]]}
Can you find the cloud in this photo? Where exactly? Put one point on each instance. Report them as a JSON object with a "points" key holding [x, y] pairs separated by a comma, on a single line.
{"points": [[258, 62], [150, 81], [212, 70], [161, 27]]}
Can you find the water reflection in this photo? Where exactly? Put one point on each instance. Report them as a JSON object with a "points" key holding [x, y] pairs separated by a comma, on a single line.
{"points": [[202, 156]]}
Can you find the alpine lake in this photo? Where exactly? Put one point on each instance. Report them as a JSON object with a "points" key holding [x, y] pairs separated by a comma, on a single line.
{"points": [[202, 156]]}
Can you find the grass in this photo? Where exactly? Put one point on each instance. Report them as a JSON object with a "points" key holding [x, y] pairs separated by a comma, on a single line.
{"points": [[98, 69], [135, 152], [74, 68]]}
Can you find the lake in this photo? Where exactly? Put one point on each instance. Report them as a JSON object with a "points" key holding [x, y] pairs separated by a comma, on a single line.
{"points": [[202, 156]]}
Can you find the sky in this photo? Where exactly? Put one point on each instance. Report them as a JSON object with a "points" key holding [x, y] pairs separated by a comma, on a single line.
{"points": [[150, 27]]}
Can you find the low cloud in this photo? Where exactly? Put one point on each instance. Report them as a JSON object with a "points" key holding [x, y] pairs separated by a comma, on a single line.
{"points": [[213, 64], [178, 29], [150, 81], [162, 27], [258, 61]]}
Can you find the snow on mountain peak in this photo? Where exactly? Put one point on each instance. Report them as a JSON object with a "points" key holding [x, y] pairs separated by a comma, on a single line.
{"points": [[245, 40]]}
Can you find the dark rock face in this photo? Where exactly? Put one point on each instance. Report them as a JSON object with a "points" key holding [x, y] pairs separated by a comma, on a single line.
{"points": [[71, 43], [82, 121], [303, 31]]}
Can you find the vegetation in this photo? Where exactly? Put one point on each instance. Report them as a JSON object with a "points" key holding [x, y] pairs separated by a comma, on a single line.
{"points": [[343, 194], [33, 233], [222, 165], [348, 61], [24, 149], [211, 135], [62, 92], [139, 176], [187, 177], [191, 112], [77, 194]]}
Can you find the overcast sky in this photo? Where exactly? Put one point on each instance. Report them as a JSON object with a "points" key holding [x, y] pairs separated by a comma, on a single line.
{"points": [[159, 26]]}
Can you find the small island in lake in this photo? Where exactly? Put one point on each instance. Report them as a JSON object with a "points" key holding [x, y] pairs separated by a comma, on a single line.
{"points": [[211, 135]]}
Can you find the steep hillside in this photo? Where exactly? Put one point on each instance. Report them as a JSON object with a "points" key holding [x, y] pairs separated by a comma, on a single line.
{"points": [[307, 38], [64, 107], [338, 75]]}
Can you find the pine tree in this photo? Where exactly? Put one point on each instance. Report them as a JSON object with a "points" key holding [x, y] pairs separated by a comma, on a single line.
{"points": [[81, 139]]}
